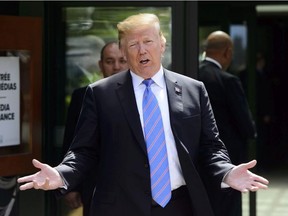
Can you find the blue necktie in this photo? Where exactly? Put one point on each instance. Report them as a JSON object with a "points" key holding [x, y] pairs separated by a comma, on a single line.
{"points": [[156, 147]]}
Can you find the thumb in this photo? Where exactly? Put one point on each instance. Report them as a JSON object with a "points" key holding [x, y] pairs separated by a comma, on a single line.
{"points": [[37, 164], [251, 164]]}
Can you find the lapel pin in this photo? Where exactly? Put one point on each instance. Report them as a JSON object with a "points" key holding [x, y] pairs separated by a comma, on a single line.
{"points": [[178, 90]]}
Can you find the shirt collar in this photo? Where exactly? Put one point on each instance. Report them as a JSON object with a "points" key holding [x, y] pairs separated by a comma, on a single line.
{"points": [[214, 61], [158, 78]]}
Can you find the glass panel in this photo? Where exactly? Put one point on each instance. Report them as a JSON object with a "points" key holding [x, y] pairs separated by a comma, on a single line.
{"points": [[89, 28], [238, 34]]}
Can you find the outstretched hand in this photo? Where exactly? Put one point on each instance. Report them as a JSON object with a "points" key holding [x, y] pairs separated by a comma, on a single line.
{"points": [[46, 179], [241, 179]]}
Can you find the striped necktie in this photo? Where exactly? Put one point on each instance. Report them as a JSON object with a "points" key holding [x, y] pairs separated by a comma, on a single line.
{"points": [[156, 147]]}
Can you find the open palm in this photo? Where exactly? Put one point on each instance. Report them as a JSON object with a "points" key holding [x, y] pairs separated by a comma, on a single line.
{"points": [[46, 179], [241, 179]]}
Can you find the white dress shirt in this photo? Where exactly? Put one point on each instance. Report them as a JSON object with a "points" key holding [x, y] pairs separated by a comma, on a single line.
{"points": [[214, 61], [160, 92]]}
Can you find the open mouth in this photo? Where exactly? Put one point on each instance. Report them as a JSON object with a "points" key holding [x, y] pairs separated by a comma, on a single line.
{"points": [[144, 61]]}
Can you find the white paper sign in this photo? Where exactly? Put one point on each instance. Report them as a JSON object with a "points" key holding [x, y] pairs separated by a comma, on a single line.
{"points": [[9, 101]]}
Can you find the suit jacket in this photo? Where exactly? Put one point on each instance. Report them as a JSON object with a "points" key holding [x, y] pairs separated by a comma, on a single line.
{"points": [[72, 117], [109, 139], [235, 126], [86, 187], [231, 110]]}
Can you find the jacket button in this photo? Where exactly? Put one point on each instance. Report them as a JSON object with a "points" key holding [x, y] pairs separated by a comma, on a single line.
{"points": [[146, 165]]}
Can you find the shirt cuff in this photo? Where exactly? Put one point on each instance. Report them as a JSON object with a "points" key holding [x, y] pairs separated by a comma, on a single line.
{"points": [[223, 184]]}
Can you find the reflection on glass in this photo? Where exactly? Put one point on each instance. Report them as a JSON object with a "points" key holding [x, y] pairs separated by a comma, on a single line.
{"points": [[89, 28], [238, 34], [25, 102]]}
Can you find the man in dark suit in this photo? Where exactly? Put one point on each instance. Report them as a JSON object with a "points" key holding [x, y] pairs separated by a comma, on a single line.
{"points": [[111, 138], [111, 62], [232, 113]]}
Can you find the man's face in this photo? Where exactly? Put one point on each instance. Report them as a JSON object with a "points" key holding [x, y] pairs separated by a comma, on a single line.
{"points": [[143, 49], [113, 61]]}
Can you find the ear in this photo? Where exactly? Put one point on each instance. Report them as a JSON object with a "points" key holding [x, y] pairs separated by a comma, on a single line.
{"points": [[228, 52], [100, 64], [163, 46]]}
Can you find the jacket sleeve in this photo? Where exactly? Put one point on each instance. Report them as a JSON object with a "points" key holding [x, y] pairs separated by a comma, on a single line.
{"points": [[83, 153], [213, 156]]}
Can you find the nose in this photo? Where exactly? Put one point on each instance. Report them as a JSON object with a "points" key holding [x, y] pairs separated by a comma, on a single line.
{"points": [[116, 66], [142, 48]]}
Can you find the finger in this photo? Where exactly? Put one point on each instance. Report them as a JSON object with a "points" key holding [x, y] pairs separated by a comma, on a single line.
{"points": [[257, 178], [26, 186], [25, 178], [36, 185], [253, 188], [244, 190], [261, 179], [260, 185]]}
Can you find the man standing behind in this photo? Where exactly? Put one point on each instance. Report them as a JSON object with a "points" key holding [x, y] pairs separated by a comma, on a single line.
{"points": [[112, 61], [231, 110]]}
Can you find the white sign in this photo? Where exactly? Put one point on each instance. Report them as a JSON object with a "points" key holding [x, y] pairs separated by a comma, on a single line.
{"points": [[9, 101]]}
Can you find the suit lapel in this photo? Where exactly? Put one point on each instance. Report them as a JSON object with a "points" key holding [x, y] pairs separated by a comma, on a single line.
{"points": [[127, 100], [174, 92], [195, 186]]}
